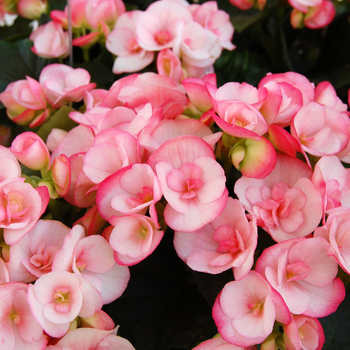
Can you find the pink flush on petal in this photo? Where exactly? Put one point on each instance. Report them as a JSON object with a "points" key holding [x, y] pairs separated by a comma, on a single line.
{"points": [[280, 203], [163, 37], [297, 271], [141, 197], [187, 180], [230, 240]]}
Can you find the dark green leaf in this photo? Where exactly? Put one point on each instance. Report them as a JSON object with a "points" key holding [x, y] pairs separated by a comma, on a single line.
{"points": [[17, 61], [59, 120], [19, 30]]}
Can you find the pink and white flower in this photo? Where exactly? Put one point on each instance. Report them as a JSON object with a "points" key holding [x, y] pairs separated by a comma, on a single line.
{"points": [[18, 328], [21, 206], [227, 242], [245, 311], [133, 238], [192, 182], [123, 42], [62, 84], [50, 41], [286, 202], [304, 274], [58, 297]]}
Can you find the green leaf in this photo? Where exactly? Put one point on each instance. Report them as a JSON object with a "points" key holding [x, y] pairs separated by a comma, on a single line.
{"points": [[19, 30], [100, 73], [60, 120], [17, 61], [245, 19]]}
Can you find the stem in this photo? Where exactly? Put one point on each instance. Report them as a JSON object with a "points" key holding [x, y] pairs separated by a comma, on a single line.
{"points": [[86, 55], [70, 34]]}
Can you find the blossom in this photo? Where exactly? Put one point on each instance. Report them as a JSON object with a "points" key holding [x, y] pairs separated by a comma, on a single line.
{"points": [[245, 311], [131, 190], [191, 180], [336, 232], [33, 255], [21, 206], [62, 84], [58, 297], [321, 130], [50, 41], [31, 151], [158, 27], [286, 202], [91, 339], [18, 327], [133, 238], [123, 42], [229, 241], [304, 274]]}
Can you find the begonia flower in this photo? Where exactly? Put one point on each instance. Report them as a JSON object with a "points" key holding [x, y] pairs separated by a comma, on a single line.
{"points": [[227, 242], [122, 41], [303, 5], [31, 9], [303, 333], [33, 255], [91, 258], [253, 158], [21, 206], [58, 297], [133, 238], [103, 11], [50, 41], [25, 102], [79, 192], [217, 21], [18, 328], [158, 27], [62, 84], [9, 166], [197, 92], [169, 64], [77, 140], [192, 182], [78, 16], [281, 103], [304, 274], [158, 132], [197, 46], [91, 339], [112, 150], [321, 130], [93, 261], [333, 181], [286, 202], [245, 311], [133, 189], [31, 151], [320, 16], [336, 232], [296, 80]]}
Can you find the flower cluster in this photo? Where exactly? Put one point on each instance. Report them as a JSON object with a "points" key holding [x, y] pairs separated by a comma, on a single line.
{"points": [[187, 38], [138, 157], [313, 14], [31, 102], [248, 185]]}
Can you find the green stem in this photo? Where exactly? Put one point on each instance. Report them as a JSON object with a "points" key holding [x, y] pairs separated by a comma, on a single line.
{"points": [[86, 55]]}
